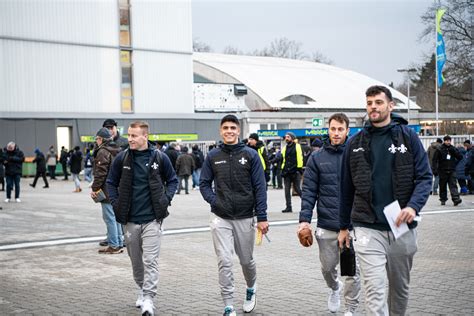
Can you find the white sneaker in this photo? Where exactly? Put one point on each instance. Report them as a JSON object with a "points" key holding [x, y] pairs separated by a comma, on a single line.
{"points": [[229, 311], [147, 307], [250, 299], [348, 314], [18, 200], [334, 299], [7, 200], [139, 302]]}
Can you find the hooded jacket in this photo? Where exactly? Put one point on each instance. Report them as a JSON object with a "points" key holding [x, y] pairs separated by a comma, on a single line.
{"points": [[103, 156], [40, 161], [410, 174], [446, 158], [321, 184]]}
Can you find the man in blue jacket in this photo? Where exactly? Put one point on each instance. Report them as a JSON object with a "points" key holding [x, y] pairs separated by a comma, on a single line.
{"points": [[382, 163], [322, 184], [239, 193], [141, 184]]}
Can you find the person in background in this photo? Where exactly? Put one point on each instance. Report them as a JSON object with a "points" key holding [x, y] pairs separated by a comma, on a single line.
{"points": [[469, 167], [291, 168], [316, 145], [88, 163], [275, 160], [13, 159], [40, 169], [256, 144], [2, 171], [184, 168], [444, 165], [431, 151], [75, 163], [198, 161], [51, 161], [111, 125], [63, 159]]}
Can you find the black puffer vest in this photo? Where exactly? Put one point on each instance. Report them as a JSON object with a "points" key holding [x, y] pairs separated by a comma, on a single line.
{"points": [[403, 171], [232, 175], [159, 201]]}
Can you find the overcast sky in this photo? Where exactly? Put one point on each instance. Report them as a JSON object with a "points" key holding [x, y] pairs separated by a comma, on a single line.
{"points": [[371, 37]]}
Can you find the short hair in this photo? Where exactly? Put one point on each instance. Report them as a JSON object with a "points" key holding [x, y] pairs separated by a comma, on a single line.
{"points": [[142, 124], [447, 137], [230, 118], [375, 90], [467, 142], [339, 117], [438, 140]]}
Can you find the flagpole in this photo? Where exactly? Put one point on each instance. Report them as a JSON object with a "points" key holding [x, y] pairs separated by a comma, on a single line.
{"points": [[436, 74]]}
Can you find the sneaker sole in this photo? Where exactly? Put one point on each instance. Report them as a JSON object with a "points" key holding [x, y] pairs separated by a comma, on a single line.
{"points": [[246, 312]]}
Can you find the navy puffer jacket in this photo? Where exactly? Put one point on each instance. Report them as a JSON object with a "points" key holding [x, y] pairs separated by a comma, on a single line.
{"points": [[321, 184]]}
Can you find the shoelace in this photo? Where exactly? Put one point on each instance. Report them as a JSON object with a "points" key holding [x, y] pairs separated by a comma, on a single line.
{"points": [[227, 311], [249, 294]]}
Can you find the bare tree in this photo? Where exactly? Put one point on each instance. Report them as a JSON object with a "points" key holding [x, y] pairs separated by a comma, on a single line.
{"points": [[320, 58], [284, 48], [199, 46], [231, 50]]}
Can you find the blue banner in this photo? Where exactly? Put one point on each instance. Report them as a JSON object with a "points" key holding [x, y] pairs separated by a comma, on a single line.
{"points": [[440, 58]]}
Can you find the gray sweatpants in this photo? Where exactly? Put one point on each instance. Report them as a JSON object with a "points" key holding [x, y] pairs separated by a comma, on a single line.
{"points": [[229, 236], [143, 247], [329, 257], [380, 257]]}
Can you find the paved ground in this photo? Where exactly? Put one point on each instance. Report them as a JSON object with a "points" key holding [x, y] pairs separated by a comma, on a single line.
{"points": [[74, 279]]}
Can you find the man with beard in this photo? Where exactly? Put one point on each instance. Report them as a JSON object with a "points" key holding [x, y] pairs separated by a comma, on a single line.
{"points": [[292, 168], [383, 163]]}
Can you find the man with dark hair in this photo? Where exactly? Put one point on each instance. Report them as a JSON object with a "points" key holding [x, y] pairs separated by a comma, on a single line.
{"points": [[431, 152], [469, 167], [444, 164], [291, 168], [172, 154], [383, 163], [40, 161], [321, 184], [184, 168], [141, 185], [63, 158], [111, 125], [238, 195], [256, 144]]}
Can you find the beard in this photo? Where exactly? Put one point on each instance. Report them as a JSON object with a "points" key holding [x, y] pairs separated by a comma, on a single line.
{"points": [[382, 117]]}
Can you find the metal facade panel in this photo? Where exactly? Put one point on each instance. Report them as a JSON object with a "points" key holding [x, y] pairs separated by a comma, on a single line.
{"points": [[163, 83], [58, 78], [77, 21], [161, 25]]}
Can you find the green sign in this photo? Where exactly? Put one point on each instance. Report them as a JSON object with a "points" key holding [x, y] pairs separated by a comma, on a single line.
{"points": [[87, 139], [318, 122], [173, 137]]}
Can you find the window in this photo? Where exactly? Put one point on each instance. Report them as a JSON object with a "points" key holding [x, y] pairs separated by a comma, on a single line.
{"points": [[126, 83], [124, 8]]}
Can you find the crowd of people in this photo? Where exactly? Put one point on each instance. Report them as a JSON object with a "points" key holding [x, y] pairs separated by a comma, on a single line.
{"points": [[347, 181]]}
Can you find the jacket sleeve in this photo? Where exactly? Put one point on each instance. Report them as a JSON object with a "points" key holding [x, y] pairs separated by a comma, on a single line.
{"points": [[18, 158], [469, 162], [265, 159], [101, 168], [113, 179], [347, 189], [206, 179], [171, 180], [260, 187], [423, 176], [310, 191], [435, 161]]}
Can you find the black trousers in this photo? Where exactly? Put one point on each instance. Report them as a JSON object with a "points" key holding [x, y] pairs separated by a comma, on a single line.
{"points": [[41, 174], [290, 179], [52, 172], [448, 178], [64, 165], [276, 175]]}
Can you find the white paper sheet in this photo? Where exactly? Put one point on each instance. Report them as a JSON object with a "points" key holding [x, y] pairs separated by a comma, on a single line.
{"points": [[391, 212]]}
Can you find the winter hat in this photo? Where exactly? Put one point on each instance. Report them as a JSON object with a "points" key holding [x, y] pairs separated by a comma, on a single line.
{"points": [[37, 150], [104, 133], [109, 123], [438, 140], [317, 143], [291, 134], [254, 136]]}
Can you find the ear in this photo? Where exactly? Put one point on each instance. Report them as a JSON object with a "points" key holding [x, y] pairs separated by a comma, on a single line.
{"points": [[348, 130]]}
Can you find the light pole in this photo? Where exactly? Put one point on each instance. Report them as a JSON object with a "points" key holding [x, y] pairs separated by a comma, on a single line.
{"points": [[408, 71]]}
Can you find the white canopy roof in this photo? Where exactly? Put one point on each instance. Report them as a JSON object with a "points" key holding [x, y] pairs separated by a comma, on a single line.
{"points": [[274, 79]]}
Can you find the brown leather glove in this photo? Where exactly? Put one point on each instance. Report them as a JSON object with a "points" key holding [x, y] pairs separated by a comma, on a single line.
{"points": [[305, 235]]}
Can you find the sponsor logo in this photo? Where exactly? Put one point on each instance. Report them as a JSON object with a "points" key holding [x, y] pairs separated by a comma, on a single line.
{"points": [[220, 162], [358, 149]]}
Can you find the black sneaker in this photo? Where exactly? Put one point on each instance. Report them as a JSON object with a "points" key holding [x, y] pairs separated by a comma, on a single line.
{"points": [[31, 185], [287, 210], [457, 202], [443, 202], [104, 243]]}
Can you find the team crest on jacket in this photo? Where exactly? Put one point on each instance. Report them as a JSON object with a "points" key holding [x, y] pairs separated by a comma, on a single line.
{"points": [[243, 161], [154, 165], [393, 149]]}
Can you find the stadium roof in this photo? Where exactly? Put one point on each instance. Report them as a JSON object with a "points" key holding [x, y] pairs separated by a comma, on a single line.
{"points": [[295, 84]]}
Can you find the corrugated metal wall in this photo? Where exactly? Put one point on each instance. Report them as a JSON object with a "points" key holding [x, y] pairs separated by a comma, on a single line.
{"points": [[76, 21], [163, 83], [58, 78], [161, 25]]}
